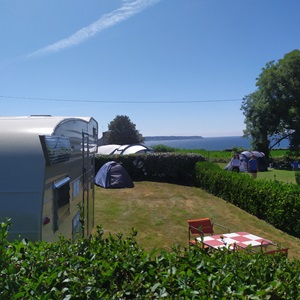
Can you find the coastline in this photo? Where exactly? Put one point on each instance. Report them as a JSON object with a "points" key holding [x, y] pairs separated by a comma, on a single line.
{"points": [[206, 143], [171, 137]]}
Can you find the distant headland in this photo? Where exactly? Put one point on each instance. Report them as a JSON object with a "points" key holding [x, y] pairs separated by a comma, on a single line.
{"points": [[172, 137]]}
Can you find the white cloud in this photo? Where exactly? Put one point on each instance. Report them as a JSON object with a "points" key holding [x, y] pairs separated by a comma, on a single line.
{"points": [[127, 10]]}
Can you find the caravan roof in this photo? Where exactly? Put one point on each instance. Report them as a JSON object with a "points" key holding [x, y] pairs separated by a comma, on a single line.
{"points": [[33, 125], [19, 134]]}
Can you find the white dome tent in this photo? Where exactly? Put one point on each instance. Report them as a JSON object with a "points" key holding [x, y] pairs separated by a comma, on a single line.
{"points": [[123, 149]]}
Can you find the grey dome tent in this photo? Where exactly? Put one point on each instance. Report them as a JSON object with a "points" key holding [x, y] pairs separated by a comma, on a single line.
{"points": [[113, 175]]}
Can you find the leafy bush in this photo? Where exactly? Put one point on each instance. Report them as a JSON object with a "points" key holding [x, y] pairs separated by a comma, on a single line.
{"points": [[163, 148], [117, 268]]}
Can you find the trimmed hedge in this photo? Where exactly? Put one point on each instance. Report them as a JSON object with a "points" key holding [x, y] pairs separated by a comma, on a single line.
{"points": [[159, 167], [275, 202], [117, 268]]}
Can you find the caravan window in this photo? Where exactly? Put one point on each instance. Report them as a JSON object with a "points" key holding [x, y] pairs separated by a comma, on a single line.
{"points": [[61, 205], [56, 149]]}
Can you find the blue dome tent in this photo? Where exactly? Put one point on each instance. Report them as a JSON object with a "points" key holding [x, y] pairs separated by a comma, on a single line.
{"points": [[113, 175]]}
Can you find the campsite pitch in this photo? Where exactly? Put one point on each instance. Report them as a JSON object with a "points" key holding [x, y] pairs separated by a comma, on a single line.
{"points": [[159, 212]]}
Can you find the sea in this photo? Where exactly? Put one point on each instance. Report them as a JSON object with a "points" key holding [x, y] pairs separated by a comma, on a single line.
{"points": [[207, 143]]}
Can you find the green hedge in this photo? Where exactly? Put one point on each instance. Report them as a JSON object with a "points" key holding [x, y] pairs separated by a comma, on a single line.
{"points": [[117, 268], [160, 167], [275, 202]]}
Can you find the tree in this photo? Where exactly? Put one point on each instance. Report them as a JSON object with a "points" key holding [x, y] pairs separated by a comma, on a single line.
{"points": [[272, 112], [122, 131]]}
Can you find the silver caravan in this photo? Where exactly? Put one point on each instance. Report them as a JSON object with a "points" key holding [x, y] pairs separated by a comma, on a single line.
{"points": [[47, 174]]}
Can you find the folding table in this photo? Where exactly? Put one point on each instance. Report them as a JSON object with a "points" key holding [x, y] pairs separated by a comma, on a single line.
{"points": [[234, 240]]}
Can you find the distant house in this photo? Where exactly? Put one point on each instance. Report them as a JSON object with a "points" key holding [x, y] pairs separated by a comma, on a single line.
{"points": [[104, 139]]}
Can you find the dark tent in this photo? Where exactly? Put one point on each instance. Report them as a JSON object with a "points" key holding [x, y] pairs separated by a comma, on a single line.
{"points": [[113, 175]]}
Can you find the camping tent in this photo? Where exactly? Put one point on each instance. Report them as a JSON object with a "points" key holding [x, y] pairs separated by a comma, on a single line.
{"points": [[107, 149], [244, 158], [123, 149], [260, 157], [113, 175], [131, 149]]}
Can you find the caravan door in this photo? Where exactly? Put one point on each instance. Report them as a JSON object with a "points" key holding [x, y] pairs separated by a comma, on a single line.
{"points": [[88, 193]]}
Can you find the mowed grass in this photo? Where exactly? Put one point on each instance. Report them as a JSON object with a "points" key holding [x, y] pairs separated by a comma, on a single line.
{"points": [[159, 212], [280, 175], [286, 176]]}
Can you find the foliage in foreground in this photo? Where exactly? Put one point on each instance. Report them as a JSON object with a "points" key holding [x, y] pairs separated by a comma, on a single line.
{"points": [[117, 268]]}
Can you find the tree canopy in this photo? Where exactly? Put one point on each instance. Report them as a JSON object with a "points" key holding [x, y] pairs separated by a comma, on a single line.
{"points": [[272, 112], [122, 131]]}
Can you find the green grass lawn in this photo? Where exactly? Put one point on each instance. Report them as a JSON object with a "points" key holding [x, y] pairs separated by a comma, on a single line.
{"points": [[280, 175], [159, 212]]}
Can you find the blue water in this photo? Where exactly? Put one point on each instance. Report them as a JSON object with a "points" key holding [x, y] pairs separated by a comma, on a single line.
{"points": [[209, 143]]}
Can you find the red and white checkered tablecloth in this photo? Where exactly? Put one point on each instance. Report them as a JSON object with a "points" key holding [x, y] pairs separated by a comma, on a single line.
{"points": [[229, 240]]}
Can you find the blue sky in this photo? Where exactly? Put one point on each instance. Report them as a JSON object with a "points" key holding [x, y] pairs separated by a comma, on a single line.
{"points": [[175, 67]]}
